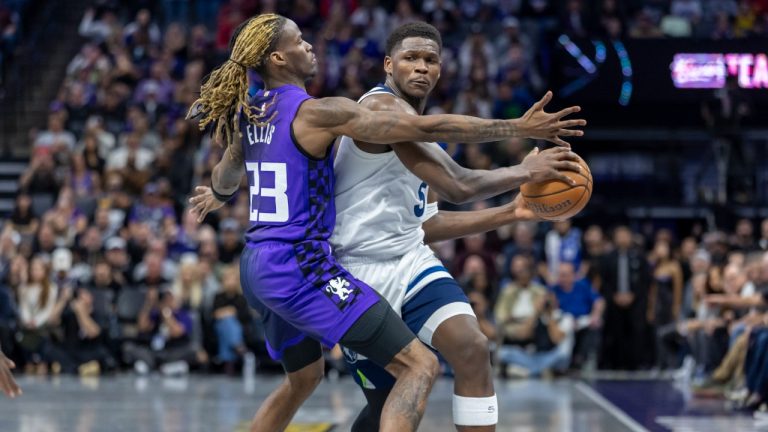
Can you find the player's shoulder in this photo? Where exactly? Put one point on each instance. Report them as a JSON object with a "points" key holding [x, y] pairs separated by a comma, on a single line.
{"points": [[386, 102]]}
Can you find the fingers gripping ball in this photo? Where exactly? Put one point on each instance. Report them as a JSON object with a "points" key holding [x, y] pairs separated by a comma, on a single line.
{"points": [[557, 200]]}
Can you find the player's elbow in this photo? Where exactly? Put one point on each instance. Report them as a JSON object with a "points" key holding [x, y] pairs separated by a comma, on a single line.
{"points": [[456, 192]]}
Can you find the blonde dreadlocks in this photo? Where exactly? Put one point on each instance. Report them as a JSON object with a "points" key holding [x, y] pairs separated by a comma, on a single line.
{"points": [[224, 95]]}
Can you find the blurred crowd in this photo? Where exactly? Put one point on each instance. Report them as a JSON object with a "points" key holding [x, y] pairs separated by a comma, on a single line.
{"points": [[102, 266], [10, 12]]}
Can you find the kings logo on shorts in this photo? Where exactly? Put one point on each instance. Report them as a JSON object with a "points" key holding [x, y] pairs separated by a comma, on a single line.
{"points": [[338, 289]]}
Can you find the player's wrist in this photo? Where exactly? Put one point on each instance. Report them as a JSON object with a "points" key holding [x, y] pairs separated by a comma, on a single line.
{"points": [[520, 174], [222, 197], [518, 129]]}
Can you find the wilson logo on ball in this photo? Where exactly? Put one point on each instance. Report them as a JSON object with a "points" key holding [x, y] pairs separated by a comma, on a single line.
{"points": [[543, 208], [556, 199]]}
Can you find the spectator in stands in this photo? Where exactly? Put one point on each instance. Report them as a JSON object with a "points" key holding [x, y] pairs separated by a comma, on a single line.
{"points": [[743, 239], [131, 159], [515, 310], [40, 182], [54, 139], [118, 260], [522, 243], [103, 286], [37, 299], [552, 343], [167, 336], [152, 209], [89, 67], [232, 319], [666, 296], [142, 35], [23, 219], [562, 244], [85, 182], [577, 298], [84, 347], [475, 278], [100, 25], [188, 286], [97, 143], [475, 245], [231, 241], [624, 281], [477, 51], [595, 246], [150, 274]]}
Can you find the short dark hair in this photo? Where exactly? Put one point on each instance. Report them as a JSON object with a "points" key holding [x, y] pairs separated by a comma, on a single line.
{"points": [[413, 29]]}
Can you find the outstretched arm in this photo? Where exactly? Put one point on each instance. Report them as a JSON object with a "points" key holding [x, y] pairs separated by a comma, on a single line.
{"points": [[319, 121], [456, 183], [447, 225]]}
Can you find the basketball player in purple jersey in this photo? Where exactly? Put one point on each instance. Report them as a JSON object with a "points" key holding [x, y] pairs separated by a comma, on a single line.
{"points": [[288, 272]]}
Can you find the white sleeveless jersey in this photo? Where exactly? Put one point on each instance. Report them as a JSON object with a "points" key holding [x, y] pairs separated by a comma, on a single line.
{"points": [[380, 205]]}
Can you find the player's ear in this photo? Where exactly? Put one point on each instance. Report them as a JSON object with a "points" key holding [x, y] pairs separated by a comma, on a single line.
{"points": [[388, 65], [277, 58]]}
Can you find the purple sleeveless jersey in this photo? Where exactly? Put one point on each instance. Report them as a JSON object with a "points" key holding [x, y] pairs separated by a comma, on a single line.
{"points": [[291, 191], [287, 270]]}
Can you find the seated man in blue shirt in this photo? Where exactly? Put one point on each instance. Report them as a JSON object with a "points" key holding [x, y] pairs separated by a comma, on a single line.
{"points": [[578, 298]]}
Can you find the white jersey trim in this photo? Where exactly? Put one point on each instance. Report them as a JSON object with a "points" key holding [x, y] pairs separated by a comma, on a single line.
{"points": [[430, 211], [441, 315]]}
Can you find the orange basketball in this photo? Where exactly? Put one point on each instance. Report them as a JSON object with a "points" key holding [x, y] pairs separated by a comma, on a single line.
{"points": [[557, 200]]}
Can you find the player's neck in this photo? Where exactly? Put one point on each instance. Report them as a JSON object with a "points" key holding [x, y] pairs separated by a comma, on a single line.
{"points": [[417, 103], [275, 82]]}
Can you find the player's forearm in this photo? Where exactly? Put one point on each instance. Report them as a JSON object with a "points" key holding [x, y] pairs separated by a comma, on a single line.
{"points": [[447, 225], [460, 128], [476, 185], [453, 182], [227, 174]]}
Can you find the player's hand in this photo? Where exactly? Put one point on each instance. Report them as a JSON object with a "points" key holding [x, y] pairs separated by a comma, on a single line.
{"points": [[547, 164], [204, 202], [519, 211], [536, 123], [7, 383]]}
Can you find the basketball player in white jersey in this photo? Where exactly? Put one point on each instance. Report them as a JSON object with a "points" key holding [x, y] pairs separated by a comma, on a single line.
{"points": [[381, 200]]}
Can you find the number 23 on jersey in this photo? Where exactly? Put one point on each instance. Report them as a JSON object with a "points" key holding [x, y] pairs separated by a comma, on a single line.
{"points": [[255, 170]]}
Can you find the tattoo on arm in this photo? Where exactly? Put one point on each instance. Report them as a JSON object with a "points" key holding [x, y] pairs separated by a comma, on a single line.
{"points": [[345, 117], [227, 174]]}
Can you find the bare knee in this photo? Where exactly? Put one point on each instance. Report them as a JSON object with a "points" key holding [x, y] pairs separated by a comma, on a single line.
{"points": [[472, 353], [305, 380], [415, 359]]}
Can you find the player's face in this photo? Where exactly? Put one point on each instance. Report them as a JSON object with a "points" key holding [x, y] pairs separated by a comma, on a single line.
{"points": [[296, 52], [415, 66]]}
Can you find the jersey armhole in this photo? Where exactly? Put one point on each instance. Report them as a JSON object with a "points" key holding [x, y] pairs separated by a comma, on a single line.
{"points": [[328, 149], [430, 211]]}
